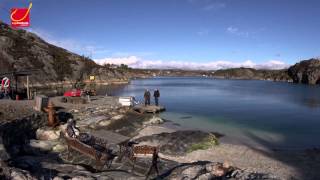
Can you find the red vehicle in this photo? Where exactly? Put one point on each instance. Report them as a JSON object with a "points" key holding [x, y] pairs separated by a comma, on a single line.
{"points": [[73, 93]]}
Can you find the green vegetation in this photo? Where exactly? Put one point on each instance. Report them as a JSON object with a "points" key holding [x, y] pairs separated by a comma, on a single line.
{"points": [[124, 67], [20, 48], [87, 68], [61, 63], [207, 143]]}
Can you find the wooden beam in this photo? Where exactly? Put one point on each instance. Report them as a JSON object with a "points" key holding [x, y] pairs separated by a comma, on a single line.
{"points": [[16, 79], [28, 91]]}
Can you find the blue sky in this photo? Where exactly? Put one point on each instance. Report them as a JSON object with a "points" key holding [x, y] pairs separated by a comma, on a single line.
{"points": [[183, 33]]}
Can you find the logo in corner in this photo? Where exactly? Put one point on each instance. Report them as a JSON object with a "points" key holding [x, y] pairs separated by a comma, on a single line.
{"points": [[20, 17]]}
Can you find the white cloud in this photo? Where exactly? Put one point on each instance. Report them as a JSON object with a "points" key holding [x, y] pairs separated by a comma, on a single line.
{"points": [[203, 32], [214, 6], [130, 60], [232, 30], [208, 5], [273, 64], [136, 62], [236, 31]]}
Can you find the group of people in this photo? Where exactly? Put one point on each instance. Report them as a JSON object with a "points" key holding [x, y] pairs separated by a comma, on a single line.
{"points": [[147, 97]]}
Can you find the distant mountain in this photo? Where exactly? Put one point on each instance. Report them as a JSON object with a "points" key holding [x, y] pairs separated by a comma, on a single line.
{"points": [[249, 73], [22, 50], [305, 72]]}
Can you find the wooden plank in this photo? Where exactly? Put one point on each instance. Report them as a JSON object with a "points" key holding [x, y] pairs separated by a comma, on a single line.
{"points": [[28, 90]]}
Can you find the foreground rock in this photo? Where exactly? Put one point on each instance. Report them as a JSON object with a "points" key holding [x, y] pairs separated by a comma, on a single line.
{"points": [[183, 153], [204, 170]]}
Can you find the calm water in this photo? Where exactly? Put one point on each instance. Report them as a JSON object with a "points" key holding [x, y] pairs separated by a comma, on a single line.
{"points": [[258, 113]]}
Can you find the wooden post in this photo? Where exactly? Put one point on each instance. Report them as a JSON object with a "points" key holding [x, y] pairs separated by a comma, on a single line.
{"points": [[28, 91], [16, 79]]}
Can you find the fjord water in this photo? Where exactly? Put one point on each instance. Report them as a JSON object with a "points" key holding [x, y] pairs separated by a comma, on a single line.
{"points": [[256, 113]]}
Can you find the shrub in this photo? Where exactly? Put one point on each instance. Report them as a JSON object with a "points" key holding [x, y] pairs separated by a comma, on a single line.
{"points": [[207, 143]]}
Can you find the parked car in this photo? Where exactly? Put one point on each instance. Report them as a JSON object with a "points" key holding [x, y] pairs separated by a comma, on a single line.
{"points": [[73, 93]]}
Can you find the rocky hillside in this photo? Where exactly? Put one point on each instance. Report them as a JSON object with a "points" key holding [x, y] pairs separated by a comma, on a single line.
{"points": [[307, 72], [249, 73], [22, 50]]}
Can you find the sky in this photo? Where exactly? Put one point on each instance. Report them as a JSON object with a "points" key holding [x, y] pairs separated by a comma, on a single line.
{"points": [[195, 34]]}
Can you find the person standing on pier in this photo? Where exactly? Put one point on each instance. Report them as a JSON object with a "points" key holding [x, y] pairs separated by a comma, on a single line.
{"points": [[156, 95], [147, 97]]}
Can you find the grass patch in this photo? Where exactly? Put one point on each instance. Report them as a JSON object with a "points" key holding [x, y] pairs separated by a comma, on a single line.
{"points": [[207, 143]]}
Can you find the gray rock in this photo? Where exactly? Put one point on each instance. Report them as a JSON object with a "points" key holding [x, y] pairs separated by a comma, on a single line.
{"points": [[57, 178], [117, 117], [154, 120], [104, 122], [92, 120], [205, 176], [3, 153], [307, 72], [59, 148], [82, 178], [47, 134], [192, 172], [17, 174], [43, 145]]}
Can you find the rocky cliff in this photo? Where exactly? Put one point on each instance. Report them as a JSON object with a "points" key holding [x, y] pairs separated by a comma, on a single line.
{"points": [[307, 72], [22, 50]]}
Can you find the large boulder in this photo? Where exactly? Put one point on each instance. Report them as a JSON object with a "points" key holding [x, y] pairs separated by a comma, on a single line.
{"points": [[306, 72], [180, 142]]}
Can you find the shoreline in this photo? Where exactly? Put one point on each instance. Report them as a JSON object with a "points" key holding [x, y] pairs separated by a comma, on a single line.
{"points": [[276, 161], [171, 126], [70, 83]]}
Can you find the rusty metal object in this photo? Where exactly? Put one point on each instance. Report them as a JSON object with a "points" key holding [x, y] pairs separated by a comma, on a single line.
{"points": [[52, 122], [130, 150], [144, 149], [102, 158]]}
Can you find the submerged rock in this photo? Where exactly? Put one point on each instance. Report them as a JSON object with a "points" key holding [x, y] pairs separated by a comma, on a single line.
{"points": [[154, 120], [180, 142]]}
